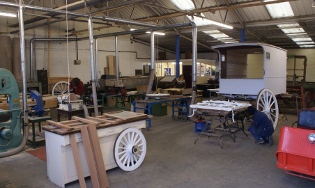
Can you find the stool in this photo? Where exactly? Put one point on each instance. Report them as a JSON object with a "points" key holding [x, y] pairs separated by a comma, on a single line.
{"points": [[38, 120]]}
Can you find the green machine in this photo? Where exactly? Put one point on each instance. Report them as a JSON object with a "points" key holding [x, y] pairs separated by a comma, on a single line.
{"points": [[11, 133]]}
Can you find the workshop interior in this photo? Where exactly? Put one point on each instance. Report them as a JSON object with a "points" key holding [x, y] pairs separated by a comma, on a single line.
{"points": [[157, 93]]}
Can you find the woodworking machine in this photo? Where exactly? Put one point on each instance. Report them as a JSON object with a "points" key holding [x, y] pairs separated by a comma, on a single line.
{"points": [[69, 102], [11, 134], [38, 108]]}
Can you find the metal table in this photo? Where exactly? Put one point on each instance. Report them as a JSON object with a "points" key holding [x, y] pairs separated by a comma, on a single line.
{"points": [[223, 111]]}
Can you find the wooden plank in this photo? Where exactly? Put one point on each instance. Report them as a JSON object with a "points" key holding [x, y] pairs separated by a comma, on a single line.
{"points": [[84, 120], [125, 115], [59, 125], [102, 176], [105, 120], [77, 160], [89, 156]]}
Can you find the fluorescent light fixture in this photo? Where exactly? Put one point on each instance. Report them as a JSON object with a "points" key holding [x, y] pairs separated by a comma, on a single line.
{"points": [[212, 31], [288, 25], [293, 30], [302, 43], [132, 29], [220, 36], [201, 21], [279, 10], [156, 33], [184, 4], [301, 39], [307, 46], [296, 34], [7, 14]]}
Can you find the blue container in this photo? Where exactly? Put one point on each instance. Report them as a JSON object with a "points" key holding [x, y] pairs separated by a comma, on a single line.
{"points": [[201, 126]]}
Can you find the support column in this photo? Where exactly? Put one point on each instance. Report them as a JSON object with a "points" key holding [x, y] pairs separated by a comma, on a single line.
{"points": [[177, 56], [242, 35]]}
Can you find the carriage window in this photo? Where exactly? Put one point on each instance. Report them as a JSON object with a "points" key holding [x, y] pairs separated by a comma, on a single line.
{"points": [[242, 62]]}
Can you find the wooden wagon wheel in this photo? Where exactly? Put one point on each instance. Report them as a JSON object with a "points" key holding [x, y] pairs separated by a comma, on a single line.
{"points": [[130, 149], [60, 88], [267, 103]]}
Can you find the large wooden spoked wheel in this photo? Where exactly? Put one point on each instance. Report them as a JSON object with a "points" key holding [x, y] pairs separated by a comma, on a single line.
{"points": [[130, 149], [60, 88], [267, 103]]}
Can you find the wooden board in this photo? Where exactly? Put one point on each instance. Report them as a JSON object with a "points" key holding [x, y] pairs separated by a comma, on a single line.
{"points": [[125, 115], [77, 160], [89, 156], [106, 120], [99, 159]]}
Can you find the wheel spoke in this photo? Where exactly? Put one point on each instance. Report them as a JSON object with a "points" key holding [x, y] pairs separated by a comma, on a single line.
{"points": [[128, 161], [126, 141], [123, 157], [137, 141], [123, 142]]}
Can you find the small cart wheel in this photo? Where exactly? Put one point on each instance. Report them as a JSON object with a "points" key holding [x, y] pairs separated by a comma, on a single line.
{"points": [[267, 103], [60, 88], [130, 149]]}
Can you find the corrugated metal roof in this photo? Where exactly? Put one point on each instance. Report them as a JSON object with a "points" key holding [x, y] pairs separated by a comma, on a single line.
{"points": [[249, 14]]}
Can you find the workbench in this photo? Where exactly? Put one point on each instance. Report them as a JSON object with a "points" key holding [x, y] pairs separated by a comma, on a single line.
{"points": [[69, 114], [181, 103], [146, 105]]}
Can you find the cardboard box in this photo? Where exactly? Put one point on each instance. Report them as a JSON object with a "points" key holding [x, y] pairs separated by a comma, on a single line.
{"points": [[111, 62]]}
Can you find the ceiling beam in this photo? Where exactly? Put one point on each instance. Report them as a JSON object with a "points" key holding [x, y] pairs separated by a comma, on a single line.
{"points": [[212, 9]]}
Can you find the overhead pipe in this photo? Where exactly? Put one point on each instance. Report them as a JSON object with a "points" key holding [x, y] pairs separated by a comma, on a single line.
{"points": [[156, 28], [104, 18], [24, 101], [32, 62], [93, 80], [117, 59]]}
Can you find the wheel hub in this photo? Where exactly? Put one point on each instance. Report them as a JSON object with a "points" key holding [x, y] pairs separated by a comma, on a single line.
{"points": [[135, 149], [132, 149]]}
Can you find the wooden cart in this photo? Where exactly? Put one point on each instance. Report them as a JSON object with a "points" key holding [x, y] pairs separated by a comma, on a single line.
{"points": [[121, 141]]}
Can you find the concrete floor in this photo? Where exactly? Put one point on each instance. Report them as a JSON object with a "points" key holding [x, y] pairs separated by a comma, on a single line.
{"points": [[173, 160]]}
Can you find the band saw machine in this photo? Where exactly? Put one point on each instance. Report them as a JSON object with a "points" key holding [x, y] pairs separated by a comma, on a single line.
{"points": [[11, 134]]}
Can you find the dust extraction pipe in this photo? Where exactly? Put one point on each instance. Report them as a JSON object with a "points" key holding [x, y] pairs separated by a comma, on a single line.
{"points": [[152, 72], [25, 115], [32, 62], [92, 66], [194, 64], [117, 59]]}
